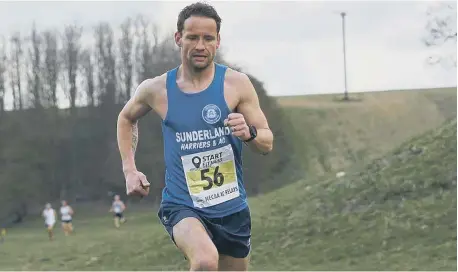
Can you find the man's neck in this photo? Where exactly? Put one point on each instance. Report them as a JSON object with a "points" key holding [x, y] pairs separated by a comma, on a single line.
{"points": [[197, 76]]}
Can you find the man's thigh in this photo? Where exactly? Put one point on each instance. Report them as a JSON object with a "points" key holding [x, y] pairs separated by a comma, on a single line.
{"points": [[233, 239], [228, 263], [192, 238], [68, 225]]}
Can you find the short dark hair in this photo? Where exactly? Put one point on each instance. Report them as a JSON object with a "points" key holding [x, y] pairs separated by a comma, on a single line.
{"points": [[198, 9]]}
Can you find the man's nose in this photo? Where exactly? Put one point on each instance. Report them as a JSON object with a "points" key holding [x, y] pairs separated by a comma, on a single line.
{"points": [[200, 44]]}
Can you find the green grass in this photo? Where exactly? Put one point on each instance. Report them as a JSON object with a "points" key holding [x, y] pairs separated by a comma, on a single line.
{"points": [[396, 213]]}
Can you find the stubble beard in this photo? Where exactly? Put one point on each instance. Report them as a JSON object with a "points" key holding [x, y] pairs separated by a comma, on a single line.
{"points": [[199, 68]]}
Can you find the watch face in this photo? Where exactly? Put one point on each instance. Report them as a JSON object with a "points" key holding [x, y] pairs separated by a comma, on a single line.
{"points": [[253, 131]]}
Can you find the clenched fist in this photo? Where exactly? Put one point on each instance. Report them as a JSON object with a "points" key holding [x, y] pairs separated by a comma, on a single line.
{"points": [[136, 183], [236, 122]]}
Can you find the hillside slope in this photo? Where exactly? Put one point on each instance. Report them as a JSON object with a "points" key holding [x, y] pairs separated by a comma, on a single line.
{"points": [[396, 213], [335, 135]]}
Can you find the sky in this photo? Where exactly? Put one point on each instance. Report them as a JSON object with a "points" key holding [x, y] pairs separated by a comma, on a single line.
{"points": [[295, 48]]}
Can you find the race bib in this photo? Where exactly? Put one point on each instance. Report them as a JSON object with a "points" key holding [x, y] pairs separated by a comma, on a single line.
{"points": [[211, 176]]}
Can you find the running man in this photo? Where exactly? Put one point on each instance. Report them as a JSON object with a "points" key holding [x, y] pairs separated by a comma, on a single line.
{"points": [[49, 214], [209, 112], [2, 235], [118, 208], [66, 217]]}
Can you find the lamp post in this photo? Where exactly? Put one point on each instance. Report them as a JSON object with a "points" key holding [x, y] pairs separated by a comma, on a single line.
{"points": [[344, 55]]}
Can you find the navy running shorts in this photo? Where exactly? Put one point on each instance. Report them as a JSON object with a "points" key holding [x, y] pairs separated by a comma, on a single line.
{"points": [[231, 234], [119, 215]]}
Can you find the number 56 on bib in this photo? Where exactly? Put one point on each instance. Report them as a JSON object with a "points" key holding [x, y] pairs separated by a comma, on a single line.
{"points": [[211, 176]]}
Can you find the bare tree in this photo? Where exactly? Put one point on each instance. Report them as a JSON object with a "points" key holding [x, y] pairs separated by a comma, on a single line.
{"points": [[166, 56], [143, 50], [125, 67], [50, 77], [106, 63], [17, 67], [11, 75], [34, 77], [71, 51], [3, 63], [87, 68], [51, 67], [70, 56], [441, 31]]}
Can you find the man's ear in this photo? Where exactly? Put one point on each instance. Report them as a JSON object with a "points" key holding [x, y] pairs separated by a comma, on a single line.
{"points": [[218, 40], [178, 38]]}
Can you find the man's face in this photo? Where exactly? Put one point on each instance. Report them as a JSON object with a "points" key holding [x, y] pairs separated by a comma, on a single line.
{"points": [[198, 41]]}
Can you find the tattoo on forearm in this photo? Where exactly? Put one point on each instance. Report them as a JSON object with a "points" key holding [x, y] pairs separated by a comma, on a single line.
{"points": [[134, 137]]}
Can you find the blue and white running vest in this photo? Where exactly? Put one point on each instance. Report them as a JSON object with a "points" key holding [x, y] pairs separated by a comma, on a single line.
{"points": [[203, 160]]}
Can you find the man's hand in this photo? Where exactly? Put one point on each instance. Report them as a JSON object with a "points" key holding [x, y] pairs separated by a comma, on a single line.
{"points": [[136, 183], [236, 122]]}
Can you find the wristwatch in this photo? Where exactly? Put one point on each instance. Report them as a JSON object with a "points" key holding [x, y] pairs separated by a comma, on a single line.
{"points": [[253, 133]]}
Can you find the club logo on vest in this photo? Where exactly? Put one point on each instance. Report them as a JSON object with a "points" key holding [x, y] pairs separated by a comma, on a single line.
{"points": [[211, 114]]}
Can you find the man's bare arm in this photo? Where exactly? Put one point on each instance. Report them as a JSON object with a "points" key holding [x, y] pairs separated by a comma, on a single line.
{"points": [[250, 108], [134, 137], [127, 125]]}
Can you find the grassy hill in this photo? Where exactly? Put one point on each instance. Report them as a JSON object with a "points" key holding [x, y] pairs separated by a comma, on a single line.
{"points": [[396, 213], [335, 135]]}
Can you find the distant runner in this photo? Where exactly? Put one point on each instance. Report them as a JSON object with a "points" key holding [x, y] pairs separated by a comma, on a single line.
{"points": [[49, 214], [2, 234], [66, 217], [118, 208]]}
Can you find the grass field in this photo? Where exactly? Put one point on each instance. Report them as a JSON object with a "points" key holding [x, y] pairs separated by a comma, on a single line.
{"points": [[397, 212]]}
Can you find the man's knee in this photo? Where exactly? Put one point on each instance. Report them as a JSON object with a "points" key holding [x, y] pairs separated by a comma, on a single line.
{"points": [[206, 261], [228, 263], [192, 238]]}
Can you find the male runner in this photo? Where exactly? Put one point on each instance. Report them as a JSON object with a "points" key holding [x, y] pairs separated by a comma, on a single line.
{"points": [[2, 234], [118, 208], [66, 213], [49, 214], [209, 112]]}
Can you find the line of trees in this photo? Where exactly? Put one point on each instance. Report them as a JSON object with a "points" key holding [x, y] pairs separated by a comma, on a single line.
{"points": [[45, 69]]}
